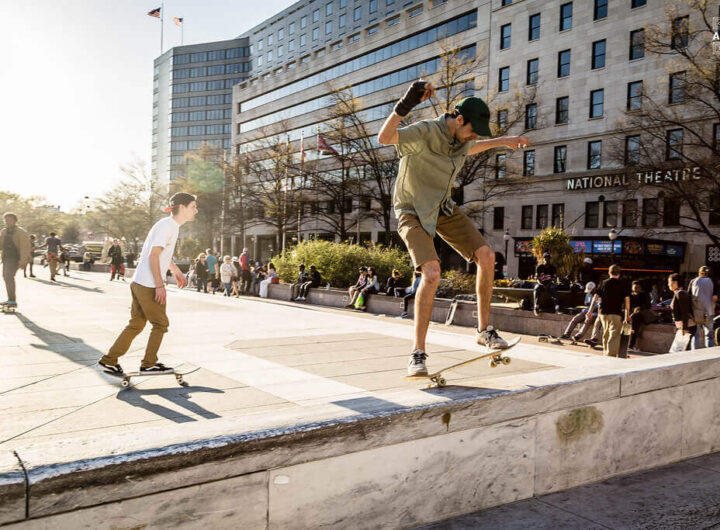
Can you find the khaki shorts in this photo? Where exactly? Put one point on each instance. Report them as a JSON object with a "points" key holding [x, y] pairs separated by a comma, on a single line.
{"points": [[457, 230]]}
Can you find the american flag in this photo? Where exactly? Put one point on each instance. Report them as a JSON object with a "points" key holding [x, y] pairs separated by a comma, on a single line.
{"points": [[178, 21], [324, 147], [155, 13]]}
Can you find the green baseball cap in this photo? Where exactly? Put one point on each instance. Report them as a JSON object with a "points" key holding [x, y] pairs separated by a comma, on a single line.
{"points": [[475, 111]]}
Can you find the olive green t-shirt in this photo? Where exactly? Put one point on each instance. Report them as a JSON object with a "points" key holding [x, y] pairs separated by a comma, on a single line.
{"points": [[430, 159]]}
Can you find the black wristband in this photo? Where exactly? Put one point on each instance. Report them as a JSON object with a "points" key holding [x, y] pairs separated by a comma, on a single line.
{"points": [[412, 97]]}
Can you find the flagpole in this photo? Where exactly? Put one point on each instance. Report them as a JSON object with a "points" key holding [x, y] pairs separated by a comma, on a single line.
{"points": [[182, 31], [162, 23], [302, 188]]}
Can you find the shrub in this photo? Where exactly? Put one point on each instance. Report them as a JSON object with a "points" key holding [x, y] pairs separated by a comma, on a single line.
{"points": [[455, 283], [557, 242], [338, 263]]}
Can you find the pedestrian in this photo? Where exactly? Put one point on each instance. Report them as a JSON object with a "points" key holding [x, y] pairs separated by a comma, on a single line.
{"points": [[702, 289], [237, 274], [33, 244], [227, 272], [245, 276], [432, 153], [580, 317], [614, 297], [270, 277], [392, 286], [53, 247], [258, 275], [211, 261], [16, 253], [115, 254], [587, 272], [314, 281], [148, 292], [64, 261], [302, 277], [545, 274], [682, 312], [641, 313], [410, 295], [201, 272]]}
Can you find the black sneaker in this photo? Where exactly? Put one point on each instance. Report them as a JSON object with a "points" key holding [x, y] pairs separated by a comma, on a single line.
{"points": [[590, 342], [565, 336], [114, 368], [158, 368]]}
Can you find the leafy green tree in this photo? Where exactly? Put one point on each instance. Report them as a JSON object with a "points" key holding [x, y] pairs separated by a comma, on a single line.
{"points": [[557, 242]]}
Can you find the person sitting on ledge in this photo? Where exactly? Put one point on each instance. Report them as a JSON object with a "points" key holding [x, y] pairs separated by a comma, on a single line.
{"points": [[354, 291], [372, 286], [545, 273], [392, 287], [315, 281]]}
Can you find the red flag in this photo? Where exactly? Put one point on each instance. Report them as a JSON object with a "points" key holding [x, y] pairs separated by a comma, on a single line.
{"points": [[178, 21], [324, 147], [155, 13]]}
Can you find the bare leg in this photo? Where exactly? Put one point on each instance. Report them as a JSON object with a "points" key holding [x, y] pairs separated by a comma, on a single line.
{"points": [[484, 258], [424, 301]]}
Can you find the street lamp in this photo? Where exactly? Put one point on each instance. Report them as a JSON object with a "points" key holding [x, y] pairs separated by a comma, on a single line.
{"points": [[612, 234], [506, 237]]}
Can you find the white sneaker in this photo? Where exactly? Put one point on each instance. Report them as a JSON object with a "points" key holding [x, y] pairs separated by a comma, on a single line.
{"points": [[416, 363], [490, 339], [402, 315]]}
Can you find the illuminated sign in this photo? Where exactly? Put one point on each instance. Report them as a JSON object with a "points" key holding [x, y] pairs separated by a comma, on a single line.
{"points": [[617, 180]]}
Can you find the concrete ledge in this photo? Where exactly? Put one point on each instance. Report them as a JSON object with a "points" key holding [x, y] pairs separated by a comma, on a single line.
{"points": [[656, 338], [12, 489], [519, 436]]}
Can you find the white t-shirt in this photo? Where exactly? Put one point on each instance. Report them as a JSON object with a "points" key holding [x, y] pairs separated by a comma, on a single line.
{"points": [[163, 234]]}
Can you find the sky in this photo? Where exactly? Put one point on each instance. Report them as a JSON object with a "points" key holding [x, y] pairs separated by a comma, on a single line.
{"points": [[76, 85]]}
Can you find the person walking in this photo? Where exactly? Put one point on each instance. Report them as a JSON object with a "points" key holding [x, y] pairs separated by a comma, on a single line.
{"points": [[33, 244], [201, 272], [432, 153], [641, 314], [54, 247], [227, 272], [245, 273], [614, 296], [545, 274], [212, 265], [149, 295], [314, 281], [115, 254], [702, 289], [682, 308], [16, 253]]}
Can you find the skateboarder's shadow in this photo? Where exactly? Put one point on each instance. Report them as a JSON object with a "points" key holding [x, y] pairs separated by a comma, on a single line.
{"points": [[178, 396], [72, 285]]}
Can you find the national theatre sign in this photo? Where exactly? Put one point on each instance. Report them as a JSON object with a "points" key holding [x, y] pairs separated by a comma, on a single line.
{"points": [[618, 180]]}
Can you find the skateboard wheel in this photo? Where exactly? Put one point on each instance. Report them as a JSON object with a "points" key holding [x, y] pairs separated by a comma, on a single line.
{"points": [[493, 364], [179, 379], [441, 381], [125, 383], [506, 360]]}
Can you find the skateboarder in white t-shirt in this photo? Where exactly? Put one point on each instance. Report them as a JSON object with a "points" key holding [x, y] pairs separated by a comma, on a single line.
{"points": [[148, 287]]}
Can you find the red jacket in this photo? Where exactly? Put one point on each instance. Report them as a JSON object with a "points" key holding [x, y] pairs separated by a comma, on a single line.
{"points": [[244, 261]]}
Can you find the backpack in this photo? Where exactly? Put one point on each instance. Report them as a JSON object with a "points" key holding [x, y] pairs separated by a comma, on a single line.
{"points": [[698, 310]]}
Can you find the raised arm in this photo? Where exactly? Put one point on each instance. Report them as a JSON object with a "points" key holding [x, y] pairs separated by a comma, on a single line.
{"points": [[509, 142], [418, 92]]}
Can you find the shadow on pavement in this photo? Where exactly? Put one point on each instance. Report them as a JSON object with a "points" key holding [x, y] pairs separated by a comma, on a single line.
{"points": [[72, 285], [179, 396], [368, 404], [55, 342]]}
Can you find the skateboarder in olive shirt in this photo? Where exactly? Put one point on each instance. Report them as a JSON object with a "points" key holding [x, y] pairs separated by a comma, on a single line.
{"points": [[148, 287], [432, 152], [614, 296]]}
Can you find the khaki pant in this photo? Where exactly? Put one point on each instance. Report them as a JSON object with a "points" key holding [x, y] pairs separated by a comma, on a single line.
{"points": [[144, 308], [612, 330], [53, 264]]}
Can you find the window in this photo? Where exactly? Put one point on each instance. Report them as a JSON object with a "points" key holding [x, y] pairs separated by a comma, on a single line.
{"points": [[373, 6], [389, 2], [632, 150], [629, 213], [679, 33], [328, 9], [676, 94], [270, 55], [529, 163], [303, 39], [637, 44], [506, 2], [343, 4], [592, 214], [305, 59], [341, 21], [218, 55], [560, 160], [281, 34], [558, 215], [564, 63], [415, 11], [303, 22], [270, 39], [714, 211], [439, 2], [671, 211], [597, 98], [534, 27], [259, 60], [498, 218], [562, 110], [315, 33], [594, 154], [291, 28], [502, 119], [392, 21], [355, 37], [650, 214], [674, 144], [600, 10], [531, 116], [505, 32], [610, 214], [328, 27], [637, 3], [532, 71], [373, 29], [634, 95], [280, 51], [527, 217], [541, 219], [260, 45], [357, 13], [504, 79], [291, 45], [566, 16], [500, 166], [316, 15], [598, 54]]}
